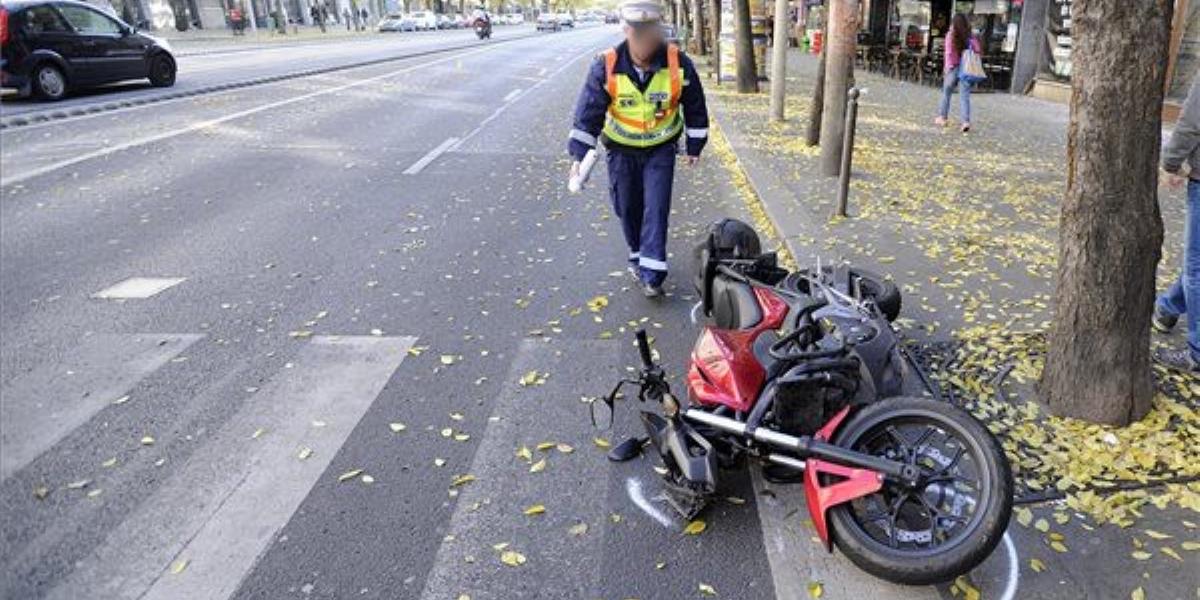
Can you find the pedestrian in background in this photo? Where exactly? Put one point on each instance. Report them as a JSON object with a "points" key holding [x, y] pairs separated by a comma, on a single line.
{"points": [[366, 18], [640, 98], [346, 17], [957, 41], [1183, 297]]}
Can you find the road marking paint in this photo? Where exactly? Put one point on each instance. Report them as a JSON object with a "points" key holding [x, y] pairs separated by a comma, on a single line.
{"points": [[138, 288], [431, 156], [208, 123], [572, 486], [41, 407], [519, 94], [1014, 570], [633, 487], [796, 559], [512, 95], [220, 511]]}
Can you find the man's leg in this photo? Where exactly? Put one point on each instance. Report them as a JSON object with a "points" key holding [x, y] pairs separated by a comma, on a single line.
{"points": [[1189, 285], [625, 189], [658, 175]]}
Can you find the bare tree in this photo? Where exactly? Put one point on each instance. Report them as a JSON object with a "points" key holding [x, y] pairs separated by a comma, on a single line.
{"points": [[747, 74], [779, 45], [813, 135], [1110, 231], [839, 65]]}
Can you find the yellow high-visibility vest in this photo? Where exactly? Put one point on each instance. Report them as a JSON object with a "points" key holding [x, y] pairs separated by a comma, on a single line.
{"points": [[642, 119]]}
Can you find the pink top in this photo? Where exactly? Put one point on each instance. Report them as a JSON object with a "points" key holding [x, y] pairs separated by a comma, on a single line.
{"points": [[953, 59]]}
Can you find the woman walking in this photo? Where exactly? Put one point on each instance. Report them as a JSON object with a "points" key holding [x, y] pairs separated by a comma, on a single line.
{"points": [[957, 41]]}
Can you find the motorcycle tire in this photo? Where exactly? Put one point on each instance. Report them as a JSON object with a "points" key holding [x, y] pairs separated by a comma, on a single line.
{"points": [[884, 293], [984, 526]]}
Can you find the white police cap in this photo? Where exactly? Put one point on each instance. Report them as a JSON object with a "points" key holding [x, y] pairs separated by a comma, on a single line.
{"points": [[635, 12]]}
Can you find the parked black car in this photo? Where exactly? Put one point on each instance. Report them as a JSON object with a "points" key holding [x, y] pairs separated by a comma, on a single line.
{"points": [[50, 47]]}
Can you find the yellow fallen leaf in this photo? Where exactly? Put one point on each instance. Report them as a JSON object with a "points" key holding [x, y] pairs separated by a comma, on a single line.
{"points": [[578, 529], [1024, 516], [528, 379], [1191, 546], [695, 527], [1141, 555], [178, 566], [565, 448], [1058, 546], [538, 466], [815, 589], [1042, 525], [397, 427], [523, 453], [447, 359], [601, 442], [1156, 535], [304, 453], [462, 480], [544, 446], [147, 441], [1137, 594], [707, 590], [1171, 552], [512, 558], [348, 475], [536, 509], [1037, 565]]}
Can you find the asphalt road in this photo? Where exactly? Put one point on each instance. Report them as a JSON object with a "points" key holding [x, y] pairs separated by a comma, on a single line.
{"points": [[203, 65], [327, 312]]}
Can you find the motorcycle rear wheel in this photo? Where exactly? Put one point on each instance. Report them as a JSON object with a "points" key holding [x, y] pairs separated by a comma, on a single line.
{"points": [[948, 524]]}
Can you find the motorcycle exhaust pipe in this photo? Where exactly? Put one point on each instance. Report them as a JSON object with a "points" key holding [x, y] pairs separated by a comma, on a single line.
{"points": [[804, 445]]}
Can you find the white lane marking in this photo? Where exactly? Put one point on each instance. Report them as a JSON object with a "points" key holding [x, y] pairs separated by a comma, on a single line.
{"points": [[219, 512], [633, 487], [138, 288], [208, 123], [519, 95], [1014, 570], [431, 156], [573, 487], [512, 95], [796, 558], [41, 407]]}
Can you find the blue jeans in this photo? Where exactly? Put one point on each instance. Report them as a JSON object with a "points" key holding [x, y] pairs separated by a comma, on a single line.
{"points": [[641, 196], [964, 92], [1185, 291]]}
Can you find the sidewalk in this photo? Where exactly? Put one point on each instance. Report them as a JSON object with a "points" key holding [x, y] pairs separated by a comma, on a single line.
{"points": [[967, 225], [206, 41]]}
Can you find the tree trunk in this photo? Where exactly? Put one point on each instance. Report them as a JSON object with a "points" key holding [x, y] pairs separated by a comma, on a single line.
{"points": [[813, 135], [698, 26], [747, 75], [1110, 231], [715, 39], [779, 46], [839, 65]]}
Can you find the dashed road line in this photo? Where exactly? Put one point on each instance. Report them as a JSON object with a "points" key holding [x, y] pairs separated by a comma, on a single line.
{"points": [[431, 156], [138, 288]]}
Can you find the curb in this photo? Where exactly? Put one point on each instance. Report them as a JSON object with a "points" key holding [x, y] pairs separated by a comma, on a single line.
{"points": [[761, 180], [58, 114]]}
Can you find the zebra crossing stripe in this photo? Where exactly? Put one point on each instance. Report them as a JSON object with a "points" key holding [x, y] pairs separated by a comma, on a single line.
{"points": [[200, 533], [491, 509], [43, 406]]}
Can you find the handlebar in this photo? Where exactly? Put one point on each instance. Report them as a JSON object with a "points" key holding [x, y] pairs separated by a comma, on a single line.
{"points": [[643, 344]]}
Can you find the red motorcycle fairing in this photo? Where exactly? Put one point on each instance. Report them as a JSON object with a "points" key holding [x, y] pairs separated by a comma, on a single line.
{"points": [[724, 370], [854, 483]]}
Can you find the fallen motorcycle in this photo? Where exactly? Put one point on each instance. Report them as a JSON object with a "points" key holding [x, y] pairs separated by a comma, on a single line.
{"points": [[802, 371]]}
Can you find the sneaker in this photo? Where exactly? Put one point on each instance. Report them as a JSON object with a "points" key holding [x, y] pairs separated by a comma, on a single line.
{"points": [[939, 121], [1179, 360], [652, 291], [966, 127], [1162, 321]]}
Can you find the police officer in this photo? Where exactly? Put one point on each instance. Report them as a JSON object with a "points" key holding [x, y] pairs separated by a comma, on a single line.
{"points": [[640, 98]]}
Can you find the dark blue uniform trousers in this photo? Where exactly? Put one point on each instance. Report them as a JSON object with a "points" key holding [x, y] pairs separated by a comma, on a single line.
{"points": [[641, 195]]}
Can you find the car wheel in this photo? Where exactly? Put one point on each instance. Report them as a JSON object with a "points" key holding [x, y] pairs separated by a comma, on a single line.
{"points": [[49, 82], [162, 71]]}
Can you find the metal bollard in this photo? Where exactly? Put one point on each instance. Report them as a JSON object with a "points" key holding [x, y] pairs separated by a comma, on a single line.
{"points": [[847, 151]]}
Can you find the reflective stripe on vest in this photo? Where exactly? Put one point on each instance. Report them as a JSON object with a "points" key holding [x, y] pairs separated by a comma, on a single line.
{"points": [[643, 119]]}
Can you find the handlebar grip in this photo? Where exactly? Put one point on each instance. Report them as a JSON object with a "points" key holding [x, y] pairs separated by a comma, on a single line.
{"points": [[644, 348]]}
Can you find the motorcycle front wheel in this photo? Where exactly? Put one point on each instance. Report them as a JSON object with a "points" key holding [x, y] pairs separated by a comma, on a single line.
{"points": [[947, 524]]}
